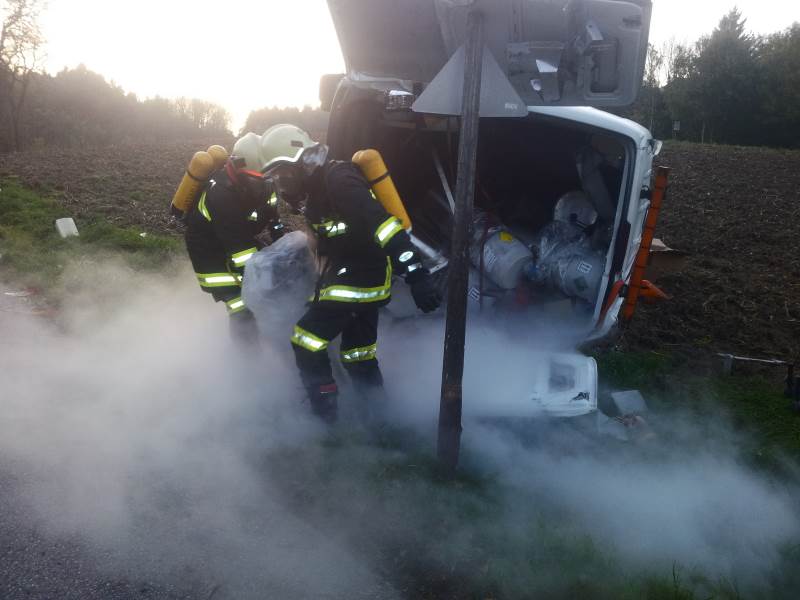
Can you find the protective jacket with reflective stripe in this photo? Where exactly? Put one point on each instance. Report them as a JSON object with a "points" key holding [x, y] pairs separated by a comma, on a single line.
{"points": [[360, 244], [221, 232]]}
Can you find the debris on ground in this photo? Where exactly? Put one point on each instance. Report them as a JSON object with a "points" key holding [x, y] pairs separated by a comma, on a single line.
{"points": [[66, 227], [28, 302]]}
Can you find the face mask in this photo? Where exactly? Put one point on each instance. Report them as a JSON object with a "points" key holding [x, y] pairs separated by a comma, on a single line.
{"points": [[254, 187], [289, 188]]}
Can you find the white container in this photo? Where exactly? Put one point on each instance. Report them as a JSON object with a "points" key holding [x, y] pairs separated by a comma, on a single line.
{"points": [[66, 227], [535, 384], [504, 257]]}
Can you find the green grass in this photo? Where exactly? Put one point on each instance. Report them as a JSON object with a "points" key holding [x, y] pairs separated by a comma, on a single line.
{"points": [[472, 536], [34, 254], [754, 403]]}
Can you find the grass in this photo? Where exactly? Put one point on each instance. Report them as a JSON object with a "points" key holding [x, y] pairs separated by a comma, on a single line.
{"points": [[473, 536], [34, 254], [755, 403]]}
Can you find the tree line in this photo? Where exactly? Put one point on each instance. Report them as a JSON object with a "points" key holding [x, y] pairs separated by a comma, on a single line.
{"points": [[77, 107], [729, 87], [312, 120]]}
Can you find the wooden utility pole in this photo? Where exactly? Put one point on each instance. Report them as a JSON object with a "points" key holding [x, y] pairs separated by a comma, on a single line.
{"points": [[455, 329]]}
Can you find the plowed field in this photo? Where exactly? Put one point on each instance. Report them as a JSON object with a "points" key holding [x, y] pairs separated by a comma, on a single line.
{"points": [[734, 210]]}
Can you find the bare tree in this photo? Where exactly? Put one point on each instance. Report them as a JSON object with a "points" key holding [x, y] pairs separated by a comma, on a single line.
{"points": [[20, 53], [652, 83], [653, 65], [204, 115], [668, 51], [219, 119]]}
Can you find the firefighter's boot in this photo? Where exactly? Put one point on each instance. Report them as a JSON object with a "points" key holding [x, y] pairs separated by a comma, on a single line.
{"points": [[370, 394], [325, 401]]}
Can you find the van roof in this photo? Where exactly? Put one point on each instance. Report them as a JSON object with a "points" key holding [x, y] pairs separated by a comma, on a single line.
{"points": [[596, 118]]}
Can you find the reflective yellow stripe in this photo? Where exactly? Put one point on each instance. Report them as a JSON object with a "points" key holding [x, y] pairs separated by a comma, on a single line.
{"points": [[309, 341], [325, 225], [253, 216], [387, 230], [235, 305], [202, 207], [343, 293], [337, 229], [359, 354], [242, 257], [217, 279], [273, 200], [346, 293], [330, 229]]}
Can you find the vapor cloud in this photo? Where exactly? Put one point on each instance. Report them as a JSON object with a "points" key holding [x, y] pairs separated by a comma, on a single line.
{"points": [[136, 427]]}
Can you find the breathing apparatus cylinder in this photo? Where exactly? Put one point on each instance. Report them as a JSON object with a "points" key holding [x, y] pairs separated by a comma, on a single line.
{"points": [[200, 168], [374, 169], [219, 154]]}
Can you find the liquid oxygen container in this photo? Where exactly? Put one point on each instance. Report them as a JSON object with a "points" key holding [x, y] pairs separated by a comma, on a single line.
{"points": [[505, 258], [200, 168], [374, 169], [565, 261]]}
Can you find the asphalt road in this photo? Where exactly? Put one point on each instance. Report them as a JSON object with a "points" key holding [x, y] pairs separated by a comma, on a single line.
{"points": [[38, 565], [297, 562]]}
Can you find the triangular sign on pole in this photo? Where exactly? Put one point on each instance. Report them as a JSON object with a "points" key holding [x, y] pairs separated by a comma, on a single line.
{"points": [[444, 95]]}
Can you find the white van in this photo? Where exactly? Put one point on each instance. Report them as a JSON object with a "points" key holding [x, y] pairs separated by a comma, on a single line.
{"points": [[561, 192]]}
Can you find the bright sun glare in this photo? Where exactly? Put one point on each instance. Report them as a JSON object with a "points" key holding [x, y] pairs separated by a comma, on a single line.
{"points": [[256, 53], [242, 55]]}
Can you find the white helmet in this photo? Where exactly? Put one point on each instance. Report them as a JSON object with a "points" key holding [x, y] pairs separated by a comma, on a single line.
{"points": [[283, 142], [248, 147], [575, 208]]}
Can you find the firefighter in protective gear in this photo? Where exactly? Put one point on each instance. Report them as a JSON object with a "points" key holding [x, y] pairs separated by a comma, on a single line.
{"points": [[359, 246], [237, 205], [283, 140]]}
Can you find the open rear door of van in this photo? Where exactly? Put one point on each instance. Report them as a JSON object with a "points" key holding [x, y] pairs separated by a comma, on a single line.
{"points": [[554, 52]]}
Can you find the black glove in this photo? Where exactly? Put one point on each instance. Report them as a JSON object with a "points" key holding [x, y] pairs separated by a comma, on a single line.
{"points": [[276, 231], [426, 295]]}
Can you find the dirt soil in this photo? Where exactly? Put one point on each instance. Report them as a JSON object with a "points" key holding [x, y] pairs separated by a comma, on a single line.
{"points": [[734, 210], [129, 185]]}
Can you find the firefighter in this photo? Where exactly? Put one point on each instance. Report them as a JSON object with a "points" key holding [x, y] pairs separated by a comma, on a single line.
{"points": [[359, 246], [237, 204]]}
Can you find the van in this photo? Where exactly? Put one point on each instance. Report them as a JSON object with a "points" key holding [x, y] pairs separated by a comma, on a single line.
{"points": [[562, 187]]}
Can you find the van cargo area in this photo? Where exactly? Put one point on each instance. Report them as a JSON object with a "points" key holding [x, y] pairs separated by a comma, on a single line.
{"points": [[547, 197]]}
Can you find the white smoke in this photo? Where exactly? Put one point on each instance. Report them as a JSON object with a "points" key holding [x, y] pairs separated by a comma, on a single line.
{"points": [[685, 498], [139, 428], [136, 427]]}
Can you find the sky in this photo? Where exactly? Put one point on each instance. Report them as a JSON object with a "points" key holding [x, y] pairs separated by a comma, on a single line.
{"points": [[255, 53]]}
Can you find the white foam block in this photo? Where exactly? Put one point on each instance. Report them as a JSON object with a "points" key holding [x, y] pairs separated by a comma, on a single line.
{"points": [[66, 227], [630, 402]]}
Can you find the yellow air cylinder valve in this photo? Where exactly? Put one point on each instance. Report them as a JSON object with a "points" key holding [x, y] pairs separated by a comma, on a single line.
{"points": [[377, 174], [219, 154], [197, 173]]}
